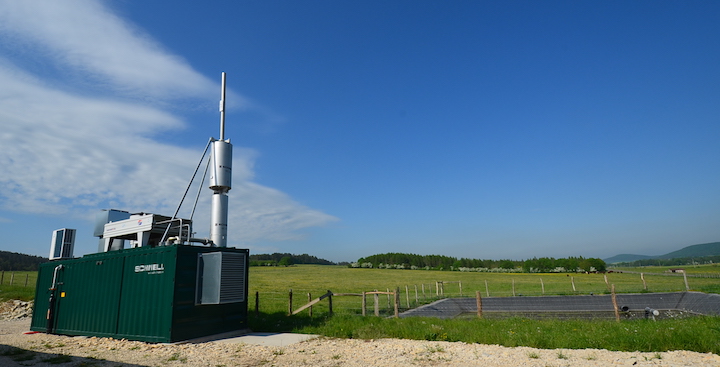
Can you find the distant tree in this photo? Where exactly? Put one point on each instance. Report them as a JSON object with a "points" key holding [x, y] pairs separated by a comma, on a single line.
{"points": [[598, 264], [507, 264], [273, 259], [570, 264], [14, 261], [545, 264], [529, 265], [285, 261]]}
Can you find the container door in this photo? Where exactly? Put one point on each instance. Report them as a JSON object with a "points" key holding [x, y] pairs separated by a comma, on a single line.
{"points": [[88, 296], [42, 297], [147, 295]]}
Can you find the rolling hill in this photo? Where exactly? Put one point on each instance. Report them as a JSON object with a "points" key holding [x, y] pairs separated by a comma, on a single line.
{"points": [[705, 249]]}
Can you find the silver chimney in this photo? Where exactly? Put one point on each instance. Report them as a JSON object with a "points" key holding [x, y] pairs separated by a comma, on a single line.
{"points": [[220, 179]]}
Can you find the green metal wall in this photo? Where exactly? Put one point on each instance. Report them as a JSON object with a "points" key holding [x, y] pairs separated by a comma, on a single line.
{"points": [[146, 294]]}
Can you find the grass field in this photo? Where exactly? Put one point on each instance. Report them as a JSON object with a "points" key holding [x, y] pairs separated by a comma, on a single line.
{"points": [[17, 285], [708, 269], [272, 284]]}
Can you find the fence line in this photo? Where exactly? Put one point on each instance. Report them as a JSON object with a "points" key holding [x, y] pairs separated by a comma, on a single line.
{"points": [[12, 278], [329, 295], [510, 286]]}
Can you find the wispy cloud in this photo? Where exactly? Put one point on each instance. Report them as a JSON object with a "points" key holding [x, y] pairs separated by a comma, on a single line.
{"points": [[86, 37], [69, 152]]}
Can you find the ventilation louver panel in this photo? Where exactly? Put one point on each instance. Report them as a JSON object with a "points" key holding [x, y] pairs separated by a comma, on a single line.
{"points": [[221, 278]]}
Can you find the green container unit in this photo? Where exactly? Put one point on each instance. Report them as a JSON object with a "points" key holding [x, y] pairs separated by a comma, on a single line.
{"points": [[160, 294]]}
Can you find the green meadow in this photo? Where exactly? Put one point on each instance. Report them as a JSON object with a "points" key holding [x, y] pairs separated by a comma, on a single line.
{"points": [[17, 285], [272, 286], [704, 269], [274, 283]]}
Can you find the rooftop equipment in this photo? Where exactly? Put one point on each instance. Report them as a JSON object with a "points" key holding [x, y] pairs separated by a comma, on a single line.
{"points": [[63, 242], [145, 230], [101, 219]]}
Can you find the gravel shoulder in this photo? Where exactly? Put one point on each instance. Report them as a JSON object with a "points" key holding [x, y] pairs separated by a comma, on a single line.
{"points": [[39, 349]]}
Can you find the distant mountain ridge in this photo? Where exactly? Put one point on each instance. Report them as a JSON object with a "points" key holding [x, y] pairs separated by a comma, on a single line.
{"points": [[704, 249]]}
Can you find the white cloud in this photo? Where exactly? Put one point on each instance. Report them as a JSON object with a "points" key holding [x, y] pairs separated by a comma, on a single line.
{"points": [[68, 153], [84, 35]]}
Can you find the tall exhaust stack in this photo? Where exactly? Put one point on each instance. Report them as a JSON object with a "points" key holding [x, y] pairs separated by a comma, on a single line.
{"points": [[220, 179]]}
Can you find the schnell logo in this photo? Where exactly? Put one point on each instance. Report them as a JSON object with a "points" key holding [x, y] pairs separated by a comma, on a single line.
{"points": [[150, 268]]}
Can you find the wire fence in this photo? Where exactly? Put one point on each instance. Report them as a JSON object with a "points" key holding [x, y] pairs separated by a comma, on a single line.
{"points": [[22, 279], [407, 297]]}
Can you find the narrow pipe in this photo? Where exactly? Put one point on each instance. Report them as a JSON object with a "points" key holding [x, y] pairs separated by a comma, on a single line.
{"points": [[222, 108], [50, 327]]}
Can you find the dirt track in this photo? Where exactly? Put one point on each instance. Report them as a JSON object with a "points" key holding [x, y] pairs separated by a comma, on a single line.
{"points": [[19, 349]]}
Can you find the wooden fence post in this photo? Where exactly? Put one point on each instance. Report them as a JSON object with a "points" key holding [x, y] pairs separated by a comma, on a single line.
{"points": [[513, 285], [12, 278], [542, 285], [388, 296], [364, 304], [614, 302], [606, 281], [687, 287], [416, 295], [377, 304], [572, 281], [487, 290], [397, 302], [330, 311], [309, 300], [437, 289], [642, 276], [460, 285], [290, 302], [2, 277], [442, 289], [478, 302], [423, 291], [407, 296], [26, 279]]}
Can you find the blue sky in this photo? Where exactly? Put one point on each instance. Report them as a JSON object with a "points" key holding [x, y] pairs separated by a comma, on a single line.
{"points": [[476, 129]]}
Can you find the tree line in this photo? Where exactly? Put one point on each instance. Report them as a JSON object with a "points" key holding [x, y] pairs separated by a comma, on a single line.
{"points": [[396, 260], [286, 259], [13, 261]]}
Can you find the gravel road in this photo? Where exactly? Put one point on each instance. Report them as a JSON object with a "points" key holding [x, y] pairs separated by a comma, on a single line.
{"points": [[38, 349]]}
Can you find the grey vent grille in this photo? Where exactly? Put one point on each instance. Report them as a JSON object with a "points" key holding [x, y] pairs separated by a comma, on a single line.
{"points": [[221, 278], [232, 278]]}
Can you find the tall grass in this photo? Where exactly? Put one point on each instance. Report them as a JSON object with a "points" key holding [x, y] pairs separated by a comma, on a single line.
{"points": [[17, 290], [698, 334], [273, 283], [690, 269]]}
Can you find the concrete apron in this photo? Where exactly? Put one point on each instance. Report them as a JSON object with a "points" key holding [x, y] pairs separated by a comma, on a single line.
{"points": [[248, 337], [269, 339]]}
